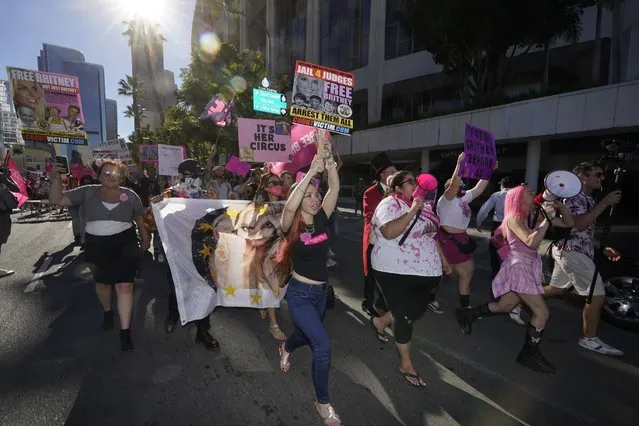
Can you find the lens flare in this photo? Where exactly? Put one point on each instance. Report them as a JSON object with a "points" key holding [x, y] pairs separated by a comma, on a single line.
{"points": [[238, 84], [210, 43]]}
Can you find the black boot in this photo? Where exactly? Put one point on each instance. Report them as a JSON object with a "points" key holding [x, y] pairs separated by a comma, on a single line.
{"points": [[107, 322], [530, 356], [467, 316], [203, 337], [126, 344], [171, 321]]}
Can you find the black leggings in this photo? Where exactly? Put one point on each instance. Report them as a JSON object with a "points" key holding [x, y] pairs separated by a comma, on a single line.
{"points": [[407, 298]]}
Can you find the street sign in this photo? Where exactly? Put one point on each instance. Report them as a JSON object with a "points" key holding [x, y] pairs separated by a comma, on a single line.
{"points": [[269, 101]]}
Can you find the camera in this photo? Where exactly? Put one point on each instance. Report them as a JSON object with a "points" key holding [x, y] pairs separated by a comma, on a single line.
{"points": [[619, 151]]}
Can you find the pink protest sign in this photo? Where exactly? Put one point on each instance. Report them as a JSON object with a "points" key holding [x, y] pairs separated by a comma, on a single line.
{"points": [[481, 154], [303, 149], [263, 140], [237, 166]]}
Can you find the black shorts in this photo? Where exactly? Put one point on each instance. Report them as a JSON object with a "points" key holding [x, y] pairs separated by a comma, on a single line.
{"points": [[115, 258]]}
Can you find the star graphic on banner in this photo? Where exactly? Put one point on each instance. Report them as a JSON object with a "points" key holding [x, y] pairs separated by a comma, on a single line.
{"points": [[256, 298], [230, 290], [206, 251], [277, 292], [232, 213], [206, 227]]}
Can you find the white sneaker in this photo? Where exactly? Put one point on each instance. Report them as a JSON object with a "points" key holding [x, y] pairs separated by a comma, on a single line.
{"points": [[434, 306], [330, 263], [161, 258], [515, 315], [331, 253], [597, 345]]}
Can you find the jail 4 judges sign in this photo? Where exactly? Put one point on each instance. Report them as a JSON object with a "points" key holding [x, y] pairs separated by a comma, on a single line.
{"points": [[323, 98]]}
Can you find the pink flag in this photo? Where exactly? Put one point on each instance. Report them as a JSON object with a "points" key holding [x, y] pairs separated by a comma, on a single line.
{"points": [[48, 165], [237, 167], [303, 150], [218, 111], [21, 196]]}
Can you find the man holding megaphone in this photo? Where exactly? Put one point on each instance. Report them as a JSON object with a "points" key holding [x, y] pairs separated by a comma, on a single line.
{"points": [[574, 255]]}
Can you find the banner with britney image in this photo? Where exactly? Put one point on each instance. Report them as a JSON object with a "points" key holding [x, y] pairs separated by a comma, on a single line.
{"points": [[48, 106]]}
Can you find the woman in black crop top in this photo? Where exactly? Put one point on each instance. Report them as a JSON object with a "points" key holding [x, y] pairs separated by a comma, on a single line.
{"points": [[304, 251]]}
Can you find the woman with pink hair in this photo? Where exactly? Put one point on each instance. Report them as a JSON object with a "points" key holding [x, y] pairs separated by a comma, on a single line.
{"points": [[520, 276]]}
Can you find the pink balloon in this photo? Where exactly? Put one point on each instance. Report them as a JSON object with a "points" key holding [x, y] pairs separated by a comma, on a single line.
{"points": [[303, 148]]}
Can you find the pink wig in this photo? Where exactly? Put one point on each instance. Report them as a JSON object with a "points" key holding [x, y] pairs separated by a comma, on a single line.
{"points": [[513, 206]]}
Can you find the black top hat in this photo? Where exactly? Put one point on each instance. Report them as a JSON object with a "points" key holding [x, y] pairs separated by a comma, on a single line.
{"points": [[189, 166], [381, 162]]}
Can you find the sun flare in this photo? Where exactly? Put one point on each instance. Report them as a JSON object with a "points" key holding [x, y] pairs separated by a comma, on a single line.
{"points": [[152, 10]]}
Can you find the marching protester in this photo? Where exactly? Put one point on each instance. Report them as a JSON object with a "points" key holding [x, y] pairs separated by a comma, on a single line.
{"points": [[219, 183], [188, 187], [454, 214], [520, 277], [270, 190], [7, 185], [111, 243], [496, 202], [307, 240], [384, 168], [149, 188], [407, 262], [574, 257]]}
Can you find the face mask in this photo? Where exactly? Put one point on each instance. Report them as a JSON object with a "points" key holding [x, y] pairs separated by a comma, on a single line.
{"points": [[275, 191]]}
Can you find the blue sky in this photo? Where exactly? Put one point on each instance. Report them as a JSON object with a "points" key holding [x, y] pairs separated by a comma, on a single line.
{"points": [[93, 27]]}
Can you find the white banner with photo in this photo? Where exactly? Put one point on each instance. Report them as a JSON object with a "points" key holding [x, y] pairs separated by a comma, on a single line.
{"points": [[221, 253]]}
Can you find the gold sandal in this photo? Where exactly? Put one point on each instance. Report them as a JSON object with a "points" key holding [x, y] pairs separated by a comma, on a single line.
{"points": [[285, 364], [332, 419], [277, 333]]}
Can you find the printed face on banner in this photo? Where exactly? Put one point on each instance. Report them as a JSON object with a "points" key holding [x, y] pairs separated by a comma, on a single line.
{"points": [[323, 98], [48, 106], [264, 140], [227, 246], [481, 154]]}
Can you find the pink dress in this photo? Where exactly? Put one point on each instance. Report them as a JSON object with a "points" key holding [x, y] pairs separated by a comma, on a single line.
{"points": [[521, 271]]}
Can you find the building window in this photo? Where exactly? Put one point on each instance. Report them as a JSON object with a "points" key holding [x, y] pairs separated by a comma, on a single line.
{"points": [[345, 27], [403, 103], [398, 42], [291, 34], [360, 108]]}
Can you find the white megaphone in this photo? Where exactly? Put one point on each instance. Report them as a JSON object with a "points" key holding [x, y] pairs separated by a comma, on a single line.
{"points": [[558, 184]]}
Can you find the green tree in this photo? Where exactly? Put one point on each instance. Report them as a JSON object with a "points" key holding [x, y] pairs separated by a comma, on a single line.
{"points": [[132, 87], [230, 75], [480, 43]]}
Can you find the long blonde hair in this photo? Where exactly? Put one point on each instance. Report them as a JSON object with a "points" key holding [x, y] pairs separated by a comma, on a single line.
{"points": [[40, 109]]}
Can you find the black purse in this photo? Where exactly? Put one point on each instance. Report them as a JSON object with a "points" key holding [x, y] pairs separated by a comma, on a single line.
{"points": [[467, 248], [8, 201]]}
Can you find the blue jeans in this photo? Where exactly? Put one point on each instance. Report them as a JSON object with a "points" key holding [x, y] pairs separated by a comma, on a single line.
{"points": [[307, 305]]}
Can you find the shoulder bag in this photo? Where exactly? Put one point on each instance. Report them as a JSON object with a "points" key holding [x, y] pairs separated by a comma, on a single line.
{"points": [[466, 248]]}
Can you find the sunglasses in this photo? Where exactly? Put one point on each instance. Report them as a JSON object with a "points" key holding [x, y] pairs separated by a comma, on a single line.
{"points": [[108, 173]]}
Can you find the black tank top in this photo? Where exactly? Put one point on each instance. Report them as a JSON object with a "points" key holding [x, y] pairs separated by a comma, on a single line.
{"points": [[311, 250]]}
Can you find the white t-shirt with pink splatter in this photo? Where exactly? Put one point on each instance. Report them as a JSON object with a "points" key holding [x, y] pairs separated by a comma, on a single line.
{"points": [[418, 255], [455, 212]]}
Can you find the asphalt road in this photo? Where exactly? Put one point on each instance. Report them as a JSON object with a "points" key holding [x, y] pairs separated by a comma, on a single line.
{"points": [[57, 366]]}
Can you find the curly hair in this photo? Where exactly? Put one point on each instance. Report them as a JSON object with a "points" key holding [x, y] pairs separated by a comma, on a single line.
{"points": [[587, 166]]}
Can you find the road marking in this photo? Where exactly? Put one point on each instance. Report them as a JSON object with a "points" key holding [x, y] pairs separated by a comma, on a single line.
{"points": [[36, 281]]}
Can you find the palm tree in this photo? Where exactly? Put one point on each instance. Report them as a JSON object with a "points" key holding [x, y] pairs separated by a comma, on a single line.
{"points": [[132, 87], [142, 31], [558, 19]]}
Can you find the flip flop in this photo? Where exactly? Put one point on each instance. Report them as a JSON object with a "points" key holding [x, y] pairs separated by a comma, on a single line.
{"points": [[285, 363], [420, 382], [379, 336]]}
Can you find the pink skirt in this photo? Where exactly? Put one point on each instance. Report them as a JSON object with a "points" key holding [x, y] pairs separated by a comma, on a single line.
{"points": [[451, 251], [519, 273]]}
